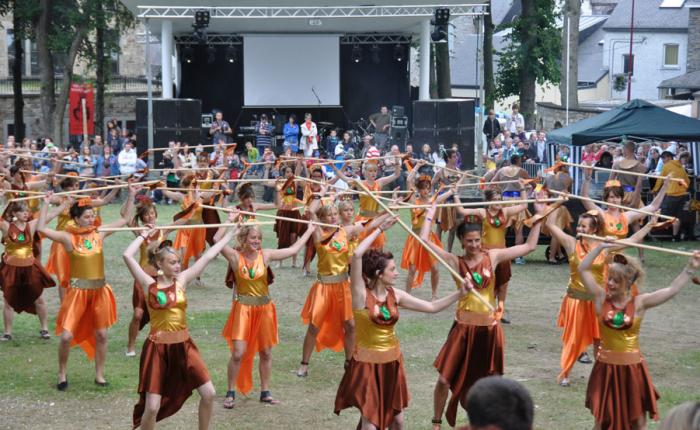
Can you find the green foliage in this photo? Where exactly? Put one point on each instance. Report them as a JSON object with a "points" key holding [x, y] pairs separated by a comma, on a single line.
{"points": [[114, 18], [533, 49]]}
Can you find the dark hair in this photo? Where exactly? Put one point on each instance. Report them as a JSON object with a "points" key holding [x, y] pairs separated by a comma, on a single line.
{"points": [[500, 402], [15, 168], [246, 192], [468, 227], [68, 182], [76, 211], [15, 207], [374, 262], [616, 190], [592, 218], [142, 210], [448, 154], [515, 159], [490, 194]]}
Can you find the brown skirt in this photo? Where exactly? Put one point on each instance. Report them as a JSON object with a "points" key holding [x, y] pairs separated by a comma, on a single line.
{"points": [[171, 370], [22, 286], [470, 353], [138, 300], [447, 218], [285, 229], [210, 216], [379, 391], [503, 274], [618, 394]]}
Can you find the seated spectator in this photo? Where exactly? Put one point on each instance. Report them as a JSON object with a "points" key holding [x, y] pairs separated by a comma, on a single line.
{"points": [[498, 403], [253, 156]]}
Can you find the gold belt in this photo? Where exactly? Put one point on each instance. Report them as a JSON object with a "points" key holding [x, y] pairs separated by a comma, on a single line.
{"points": [[619, 358], [374, 356], [169, 337], [333, 279], [87, 284], [368, 214], [473, 318], [13, 260], [579, 295], [252, 300]]}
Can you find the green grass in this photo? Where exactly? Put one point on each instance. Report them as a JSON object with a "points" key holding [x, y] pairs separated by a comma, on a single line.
{"points": [[28, 367]]}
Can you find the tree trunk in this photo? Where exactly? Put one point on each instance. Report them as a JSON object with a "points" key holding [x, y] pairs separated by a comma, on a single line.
{"points": [[489, 85], [46, 72], [18, 97], [62, 99], [442, 70], [572, 16], [433, 74], [527, 79], [99, 69]]}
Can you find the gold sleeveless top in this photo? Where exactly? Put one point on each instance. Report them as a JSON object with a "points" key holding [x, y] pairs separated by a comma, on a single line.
{"points": [[288, 195], [333, 254], [18, 243], [615, 226], [196, 216], [64, 220], [143, 249], [418, 215], [251, 279], [87, 258], [368, 206], [374, 324], [484, 280], [619, 328], [597, 269], [167, 307], [494, 230]]}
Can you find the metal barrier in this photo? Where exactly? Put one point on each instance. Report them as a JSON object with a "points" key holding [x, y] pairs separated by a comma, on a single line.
{"points": [[534, 169], [115, 84]]}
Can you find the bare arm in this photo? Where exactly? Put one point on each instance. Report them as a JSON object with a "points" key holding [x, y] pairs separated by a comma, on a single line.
{"points": [[658, 297], [284, 253], [584, 193], [425, 235], [654, 206], [587, 278], [467, 212], [391, 178], [140, 276], [57, 236], [127, 210], [567, 241], [408, 301], [107, 199], [195, 270]]}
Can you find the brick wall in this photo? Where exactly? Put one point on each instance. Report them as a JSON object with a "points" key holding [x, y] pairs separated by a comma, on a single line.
{"points": [[693, 62], [549, 114]]}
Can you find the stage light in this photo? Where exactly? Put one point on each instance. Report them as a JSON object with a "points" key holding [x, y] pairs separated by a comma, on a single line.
{"points": [[398, 53], [188, 54], [356, 54], [375, 50], [231, 54], [440, 21], [211, 55], [201, 18]]}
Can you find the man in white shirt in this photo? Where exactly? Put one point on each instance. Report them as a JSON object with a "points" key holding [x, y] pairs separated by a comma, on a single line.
{"points": [[309, 136], [515, 120], [127, 160]]}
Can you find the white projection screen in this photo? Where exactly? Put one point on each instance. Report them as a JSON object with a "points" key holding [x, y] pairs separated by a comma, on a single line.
{"points": [[285, 70]]}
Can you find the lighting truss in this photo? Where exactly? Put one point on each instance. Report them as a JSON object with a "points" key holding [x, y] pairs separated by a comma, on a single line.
{"points": [[235, 12], [375, 39], [212, 39]]}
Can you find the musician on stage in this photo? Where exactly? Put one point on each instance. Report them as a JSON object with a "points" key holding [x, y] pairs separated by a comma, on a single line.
{"points": [[219, 128], [381, 121]]}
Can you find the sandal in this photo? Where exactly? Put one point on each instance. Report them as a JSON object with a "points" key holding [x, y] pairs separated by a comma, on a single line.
{"points": [[437, 423], [44, 334], [230, 400], [6, 337], [565, 383], [102, 384], [305, 373], [585, 358], [62, 386], [266, 397]]}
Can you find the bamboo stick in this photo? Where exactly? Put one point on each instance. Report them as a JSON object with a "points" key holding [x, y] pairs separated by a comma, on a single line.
{"points": [[356, 160], [449, 169], [479, 204], [214, 191], [624, 172], [68, 193], [183, 226], [216, 145], [626, 242], [430, 250], [184, 169], [263, 215], [600, 202], [18, 151], [60, 175], [57, 160], [479, 184]]}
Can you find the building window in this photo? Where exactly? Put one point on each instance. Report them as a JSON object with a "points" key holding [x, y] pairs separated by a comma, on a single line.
{"points": [[671, 55], [627, 65], [111, 37]]}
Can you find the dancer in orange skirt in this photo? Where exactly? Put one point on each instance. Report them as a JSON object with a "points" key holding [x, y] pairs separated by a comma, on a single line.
{"points": [[88, 308], [22, 278], [447, 216], [252, 323], [287, 206], [562, 182], [375, 380], [474, 346], [620, 392], [368, 206], [171, 366], [312, 189], [327, 309]]}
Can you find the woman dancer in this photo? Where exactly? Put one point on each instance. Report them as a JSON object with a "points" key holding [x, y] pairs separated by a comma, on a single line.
{"points": [[88, 308], [171, 367], [474, 346], [288, 203], [252, 322], [512, 191], [447, 216], [375, 381], [22, 278], [620, 393], [562, 182]]}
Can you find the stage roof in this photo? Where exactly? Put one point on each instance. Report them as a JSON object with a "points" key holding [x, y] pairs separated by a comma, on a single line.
{"points": [[283, 16]]}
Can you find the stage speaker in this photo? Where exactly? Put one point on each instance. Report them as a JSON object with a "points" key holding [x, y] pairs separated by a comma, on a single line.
{"points": [[399, 136], [170, 113], [397, 111], [424, 115]]}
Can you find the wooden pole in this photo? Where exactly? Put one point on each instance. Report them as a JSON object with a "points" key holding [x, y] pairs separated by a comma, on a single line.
{"points": [[59, 175], [410, 231], [479, 204], [257, 214], [636, 245], [196, 146], [68, 193], [459, 172], [600, 202], [624, 172], [56, 160], [185, 169], [184, 226], [479, 184], [19, 152], [83, 106]]}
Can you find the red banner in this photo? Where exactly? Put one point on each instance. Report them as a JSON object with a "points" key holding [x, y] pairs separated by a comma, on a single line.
{"points": [[78, 92]]}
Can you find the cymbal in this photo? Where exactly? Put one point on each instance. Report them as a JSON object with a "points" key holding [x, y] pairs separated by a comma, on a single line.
{"points": [[326, 123]]}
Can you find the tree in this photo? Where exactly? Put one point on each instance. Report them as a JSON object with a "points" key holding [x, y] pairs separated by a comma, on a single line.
{"points": [[572, 16], [531, 56], [18, 97], [489, 86]]}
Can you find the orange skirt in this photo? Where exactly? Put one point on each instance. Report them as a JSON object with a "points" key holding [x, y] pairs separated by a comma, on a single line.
{"points": [[193, 241], [619, 394], [470, 353], [257, 326], [59, 264], [23, 285], [378, 243], [171, 370], [327, 307], [83, 311], [379, 391], [580, 324], [414, 254]]}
